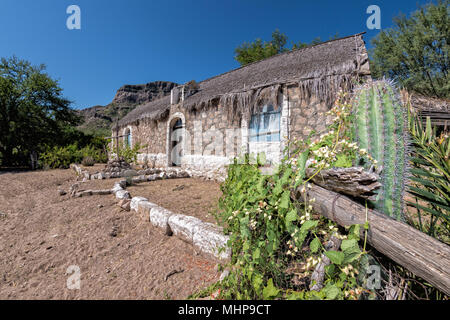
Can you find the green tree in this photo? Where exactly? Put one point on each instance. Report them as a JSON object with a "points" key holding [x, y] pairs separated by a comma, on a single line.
{"points": [[258, 50], [415, 52], [316, 40], [33, 113]]}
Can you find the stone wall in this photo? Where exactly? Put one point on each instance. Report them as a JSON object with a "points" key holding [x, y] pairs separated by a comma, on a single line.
{"points": [[212, 139], [149, 133], [306, 115], [211, 131]]}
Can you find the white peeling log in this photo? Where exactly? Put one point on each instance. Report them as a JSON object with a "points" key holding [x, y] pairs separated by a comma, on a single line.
{"points": [[209, 239], [183, 226], [116, 188], [122, 194], [144, 208], [152, 177], [135, 202], [159, 217]]}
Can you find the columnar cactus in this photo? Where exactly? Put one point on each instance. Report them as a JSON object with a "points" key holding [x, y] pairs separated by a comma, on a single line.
{"points": [[381, 129]]}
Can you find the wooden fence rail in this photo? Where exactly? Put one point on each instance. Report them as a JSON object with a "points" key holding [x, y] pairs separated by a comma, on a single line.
{"points": [[421, 254]]}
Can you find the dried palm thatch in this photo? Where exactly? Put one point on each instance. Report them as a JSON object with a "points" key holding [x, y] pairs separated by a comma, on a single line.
{"points": [[319, 71]]}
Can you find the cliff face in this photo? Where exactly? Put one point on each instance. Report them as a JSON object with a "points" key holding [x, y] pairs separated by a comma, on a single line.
{"points": [[99, 118], [143, 93]]}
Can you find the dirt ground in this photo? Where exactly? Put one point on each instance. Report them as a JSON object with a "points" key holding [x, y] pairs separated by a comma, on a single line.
{"points": [[93, 169], [119, 254], [192, 197]]}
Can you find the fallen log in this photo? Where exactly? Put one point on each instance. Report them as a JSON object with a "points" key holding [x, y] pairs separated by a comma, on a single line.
{"points": [[354, 181], [421, 254]]}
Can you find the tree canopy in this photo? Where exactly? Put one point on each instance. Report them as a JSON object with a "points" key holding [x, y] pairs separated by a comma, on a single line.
{"points": [[258, 50], [33, 112], [415, 52]]}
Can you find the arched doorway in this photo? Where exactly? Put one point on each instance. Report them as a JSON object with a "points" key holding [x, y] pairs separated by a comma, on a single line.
{"points": [[176, 142]]}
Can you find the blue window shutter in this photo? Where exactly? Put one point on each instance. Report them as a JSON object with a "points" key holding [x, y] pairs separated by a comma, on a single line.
{"points": [[265, 126]]}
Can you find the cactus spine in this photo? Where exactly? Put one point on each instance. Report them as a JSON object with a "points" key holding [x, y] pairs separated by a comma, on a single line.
{"points": [[380, 127]]}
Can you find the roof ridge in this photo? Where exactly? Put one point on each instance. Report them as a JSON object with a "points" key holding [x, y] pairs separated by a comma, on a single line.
{"points": [[280, 54]]}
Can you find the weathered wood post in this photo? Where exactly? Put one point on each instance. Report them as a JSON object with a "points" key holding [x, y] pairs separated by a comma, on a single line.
{"points": [[421, 254]]}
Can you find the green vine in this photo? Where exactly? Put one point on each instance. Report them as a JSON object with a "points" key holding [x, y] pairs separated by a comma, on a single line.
{"points": [[277, 241]]}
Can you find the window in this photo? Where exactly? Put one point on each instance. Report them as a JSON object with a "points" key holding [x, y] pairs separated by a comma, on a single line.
{"points": [[265, 126], [128, 137], [178, 125]]}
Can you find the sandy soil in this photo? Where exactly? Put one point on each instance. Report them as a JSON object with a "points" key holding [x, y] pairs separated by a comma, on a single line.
{"points": [[120, 255], [193, 197]]}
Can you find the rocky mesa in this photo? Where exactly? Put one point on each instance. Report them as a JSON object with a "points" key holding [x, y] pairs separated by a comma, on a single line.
{"points": [[98, 119]]}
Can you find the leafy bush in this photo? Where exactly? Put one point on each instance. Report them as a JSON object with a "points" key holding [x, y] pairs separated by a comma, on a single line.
{"points": [[88, 161], [276, 241], [98, 155], [128, 153], [61, 157]]}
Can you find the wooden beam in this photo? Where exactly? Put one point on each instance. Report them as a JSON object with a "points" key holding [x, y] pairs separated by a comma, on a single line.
{"points": [[421, 254]]}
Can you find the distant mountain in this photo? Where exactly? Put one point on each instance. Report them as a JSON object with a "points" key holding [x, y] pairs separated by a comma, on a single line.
{"points": [[99, 119]]}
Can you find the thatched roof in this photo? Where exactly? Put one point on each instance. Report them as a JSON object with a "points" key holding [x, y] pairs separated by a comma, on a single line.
{"points": [[320, 70]]}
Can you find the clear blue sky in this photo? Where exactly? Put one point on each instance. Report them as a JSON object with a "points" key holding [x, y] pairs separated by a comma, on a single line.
{"points": [[138, 41]]}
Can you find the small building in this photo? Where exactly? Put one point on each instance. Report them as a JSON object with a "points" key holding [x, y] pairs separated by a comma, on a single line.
{"points": [[257, 108], [437, 109]]}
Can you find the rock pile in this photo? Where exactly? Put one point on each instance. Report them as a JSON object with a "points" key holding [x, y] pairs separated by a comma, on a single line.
{"points": [[116, 165], [114, 170]]}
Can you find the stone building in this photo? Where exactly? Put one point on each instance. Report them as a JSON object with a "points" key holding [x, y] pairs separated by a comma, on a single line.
{"points": [[252, 109]]}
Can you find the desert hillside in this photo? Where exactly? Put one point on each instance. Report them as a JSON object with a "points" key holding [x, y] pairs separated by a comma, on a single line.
{"points": [[99, 118]]}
